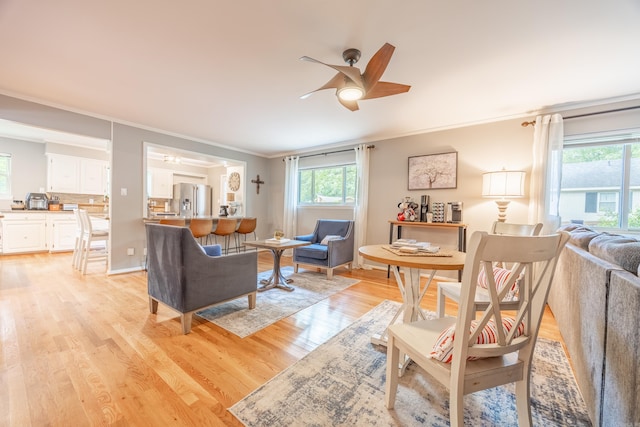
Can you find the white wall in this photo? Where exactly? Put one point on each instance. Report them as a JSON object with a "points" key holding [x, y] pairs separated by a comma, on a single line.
{"points": [[480, 149]]}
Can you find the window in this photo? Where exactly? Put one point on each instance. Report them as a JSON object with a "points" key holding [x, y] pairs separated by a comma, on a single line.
{"points": [[334, 185], [5, 176], [607, 202], [601, 181]]}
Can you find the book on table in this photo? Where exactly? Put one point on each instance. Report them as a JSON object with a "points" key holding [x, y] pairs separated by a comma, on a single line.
{"points": [[277, 241]]}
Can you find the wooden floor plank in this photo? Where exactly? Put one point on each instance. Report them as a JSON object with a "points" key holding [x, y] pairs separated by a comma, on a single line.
{"points": [[84, 349]]}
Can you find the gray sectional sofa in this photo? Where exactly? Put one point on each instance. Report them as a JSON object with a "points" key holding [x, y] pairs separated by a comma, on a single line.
{"points": [[595, 298]]}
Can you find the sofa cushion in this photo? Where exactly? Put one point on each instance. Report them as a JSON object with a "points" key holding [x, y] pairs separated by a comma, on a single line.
{"points": [[620, 250], [443, 348], [315, 251], [579, 235]]}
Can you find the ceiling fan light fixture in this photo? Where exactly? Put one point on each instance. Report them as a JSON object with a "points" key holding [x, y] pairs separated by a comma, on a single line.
{"points": [[350, 93]]}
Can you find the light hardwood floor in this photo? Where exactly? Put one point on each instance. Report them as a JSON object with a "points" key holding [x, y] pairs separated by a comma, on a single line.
{"points": [[84, 350]]}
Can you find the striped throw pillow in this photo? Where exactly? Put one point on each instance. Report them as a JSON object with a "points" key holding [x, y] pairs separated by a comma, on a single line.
{"points": [[501, 276], [443, 348]]}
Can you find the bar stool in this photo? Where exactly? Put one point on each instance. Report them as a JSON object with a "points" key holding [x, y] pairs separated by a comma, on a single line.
{"points": [[201, 229], [247, 226], [225, 228], [88, 250]]}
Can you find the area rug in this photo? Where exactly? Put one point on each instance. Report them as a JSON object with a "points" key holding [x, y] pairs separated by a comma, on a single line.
{"points": [[341, 383], [275, 304]]}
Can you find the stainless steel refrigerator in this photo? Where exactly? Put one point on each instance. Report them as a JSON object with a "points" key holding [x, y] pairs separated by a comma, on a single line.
{"points": [[192, 200]]}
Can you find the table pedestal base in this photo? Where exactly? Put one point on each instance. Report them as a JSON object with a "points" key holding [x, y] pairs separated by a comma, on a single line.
{"points": [[277, 279]]}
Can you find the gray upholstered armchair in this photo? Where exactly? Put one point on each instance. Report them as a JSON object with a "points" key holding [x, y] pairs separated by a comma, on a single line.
{"points": [[183, 276], [331, 246]]}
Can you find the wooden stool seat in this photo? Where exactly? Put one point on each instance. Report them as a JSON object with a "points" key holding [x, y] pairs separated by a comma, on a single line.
{"points": [[225, 228], [201, 228], [247, 226]]}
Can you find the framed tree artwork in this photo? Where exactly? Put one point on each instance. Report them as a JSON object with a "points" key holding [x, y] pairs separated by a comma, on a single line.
{"points": [[433, 171]]}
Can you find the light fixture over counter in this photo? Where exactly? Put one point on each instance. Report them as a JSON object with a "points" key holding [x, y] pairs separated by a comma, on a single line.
{"points": [[503, 184]]}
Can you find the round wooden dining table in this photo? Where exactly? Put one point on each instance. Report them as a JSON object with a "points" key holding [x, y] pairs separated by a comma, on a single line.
{"points": [[411, 266]]}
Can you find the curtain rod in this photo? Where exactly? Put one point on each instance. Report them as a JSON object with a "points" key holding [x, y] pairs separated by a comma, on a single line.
{"points": [[331, 152], [533, 122]]}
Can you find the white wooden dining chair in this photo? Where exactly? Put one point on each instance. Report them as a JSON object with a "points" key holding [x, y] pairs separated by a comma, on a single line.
{"points": [[453, 290], [95, 242], [77, 248], [501, 354]]}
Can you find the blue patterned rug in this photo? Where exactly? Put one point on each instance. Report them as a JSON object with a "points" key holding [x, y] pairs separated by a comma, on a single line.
{"points": [[275, 304], [341, 383]]}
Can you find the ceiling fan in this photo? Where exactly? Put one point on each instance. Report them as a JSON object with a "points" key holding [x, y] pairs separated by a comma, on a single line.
{"points": [[351, 85]]}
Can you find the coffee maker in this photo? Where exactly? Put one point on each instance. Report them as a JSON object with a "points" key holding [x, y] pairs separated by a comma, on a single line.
{"points": [[454, 212], [424, 207]]}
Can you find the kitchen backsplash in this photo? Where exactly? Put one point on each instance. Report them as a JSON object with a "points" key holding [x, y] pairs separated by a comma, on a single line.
{"points": [[90, 202]]}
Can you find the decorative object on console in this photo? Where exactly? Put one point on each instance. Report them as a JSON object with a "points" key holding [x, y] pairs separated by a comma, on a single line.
{"points": [[433, 171], [503, 184], [437, 209], [408, 210], [424, 207]]}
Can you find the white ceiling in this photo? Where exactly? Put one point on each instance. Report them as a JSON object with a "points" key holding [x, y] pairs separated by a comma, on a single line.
{"points": [[228, 72]]}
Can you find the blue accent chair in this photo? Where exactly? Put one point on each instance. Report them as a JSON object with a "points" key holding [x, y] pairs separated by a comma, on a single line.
{"points": [[335, 251]]}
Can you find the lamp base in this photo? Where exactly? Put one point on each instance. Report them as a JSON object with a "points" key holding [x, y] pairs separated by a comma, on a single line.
{"points": [[502, 209]]}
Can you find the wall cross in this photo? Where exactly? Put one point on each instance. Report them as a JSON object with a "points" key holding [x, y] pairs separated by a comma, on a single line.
{"points": [[257, 182]]}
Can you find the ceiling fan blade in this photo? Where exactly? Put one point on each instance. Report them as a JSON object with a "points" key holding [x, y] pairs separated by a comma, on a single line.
{"points": [[351, 72], [335, 83], [351, 105], [386, 89], [377, 65]]}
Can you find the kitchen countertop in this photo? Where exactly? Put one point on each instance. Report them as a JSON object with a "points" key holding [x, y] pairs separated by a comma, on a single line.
{"points": [[44, 211], [157, 218]]}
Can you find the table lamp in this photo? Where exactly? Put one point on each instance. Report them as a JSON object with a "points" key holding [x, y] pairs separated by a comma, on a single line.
{"points": [[503, 184]]}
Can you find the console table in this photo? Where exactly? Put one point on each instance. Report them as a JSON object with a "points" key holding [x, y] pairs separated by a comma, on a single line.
{"points": [[462, 231]]}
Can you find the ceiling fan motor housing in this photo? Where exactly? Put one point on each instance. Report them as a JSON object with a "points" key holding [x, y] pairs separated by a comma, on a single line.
{"points": [[351, 56]]}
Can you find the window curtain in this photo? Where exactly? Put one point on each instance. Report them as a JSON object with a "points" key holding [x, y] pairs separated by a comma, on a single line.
{"points": [[362, 202], [290, 217], [546, 172]]}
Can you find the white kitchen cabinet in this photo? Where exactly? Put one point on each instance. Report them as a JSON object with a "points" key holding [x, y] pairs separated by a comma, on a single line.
{"points": [[24, 233], [63, 174], [76, 175], [93, 176], [159, 183], [62, 232]]}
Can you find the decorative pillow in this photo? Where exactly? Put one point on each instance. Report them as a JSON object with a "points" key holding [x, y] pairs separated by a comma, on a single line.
{"points": [[443, 348], [501, 276], [328, 237], [212, 250]]}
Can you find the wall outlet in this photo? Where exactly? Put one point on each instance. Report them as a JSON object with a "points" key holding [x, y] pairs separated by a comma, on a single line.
{"points": [[130, 251], [144, 251]]}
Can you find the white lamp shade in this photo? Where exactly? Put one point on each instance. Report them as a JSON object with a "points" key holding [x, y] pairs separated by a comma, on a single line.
{"points": [[503, 184]]}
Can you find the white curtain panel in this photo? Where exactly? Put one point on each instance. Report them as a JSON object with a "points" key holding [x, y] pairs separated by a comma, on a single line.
{"points": [[362, 202], [290, 217], [546, 172]]}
